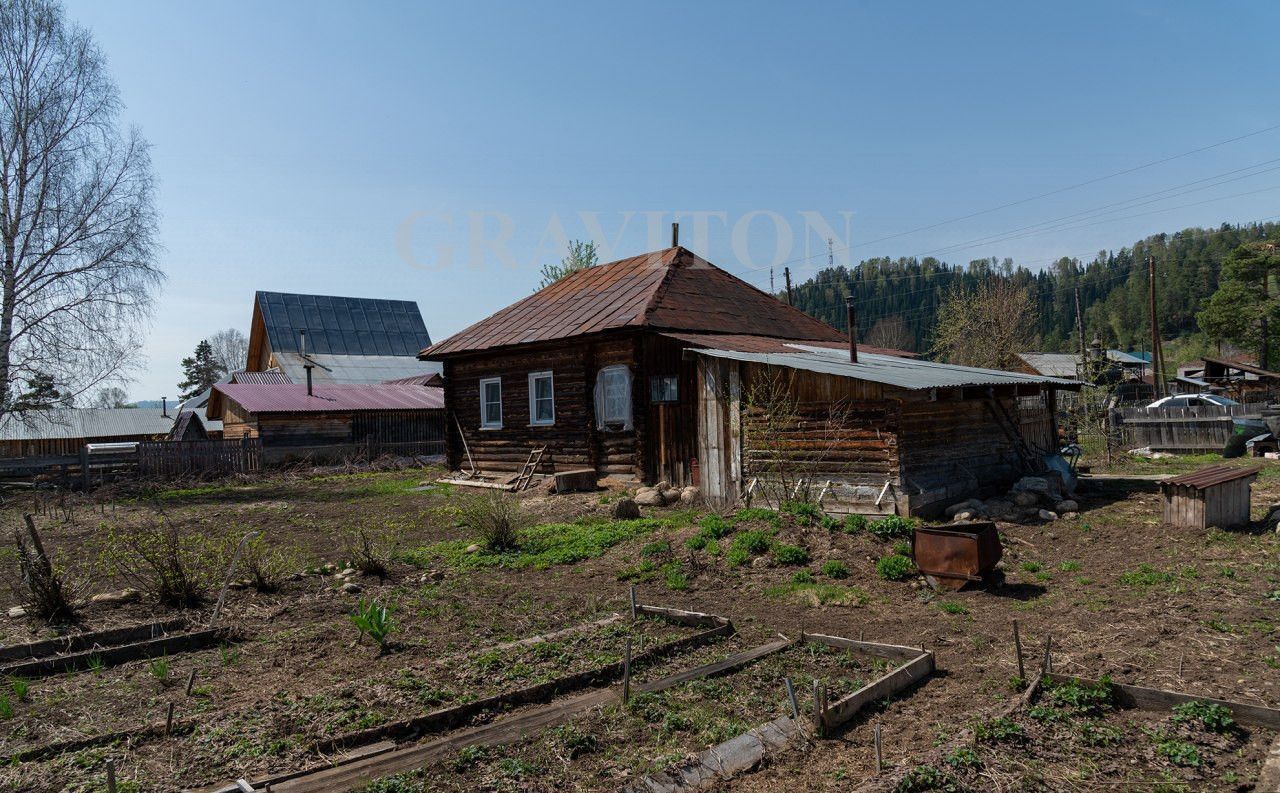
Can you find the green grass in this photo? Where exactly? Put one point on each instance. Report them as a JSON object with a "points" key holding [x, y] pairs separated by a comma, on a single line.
{"points": [[819, 594], [894, 567], [542, 546], [1145, 575], [952, 607]]}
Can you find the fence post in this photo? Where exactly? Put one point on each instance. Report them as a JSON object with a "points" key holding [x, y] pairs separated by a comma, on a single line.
{"points": [[86, 483]]}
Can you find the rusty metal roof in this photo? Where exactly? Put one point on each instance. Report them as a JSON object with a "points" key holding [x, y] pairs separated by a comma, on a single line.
{"points": [[269, 376], [293, 398], [739, 342], [1213, 475], [671, 289]]}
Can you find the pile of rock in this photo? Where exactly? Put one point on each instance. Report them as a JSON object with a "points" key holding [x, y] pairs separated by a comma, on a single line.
{"points": [[664, 495], [1031, 498]]}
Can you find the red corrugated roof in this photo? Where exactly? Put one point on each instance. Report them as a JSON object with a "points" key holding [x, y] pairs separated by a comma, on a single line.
{"points": [[293, 397], [738, 342], [672, 289], [1213, 475]]}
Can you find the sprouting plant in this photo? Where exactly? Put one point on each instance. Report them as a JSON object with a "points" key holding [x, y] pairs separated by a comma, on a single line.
{"points": [[802, 577], [1094, 734], [1212, 716], [674, 576], [96, 664], [1002, 729], [468, 756], [964, 757], [575, 741], [1081, 699], [893, 526], [790, 554], [6, 708], [159, 668], [834, 568], [1179, 752], [854, 524], [952, 607], [21, 687], [373, 619], [894, 567]]}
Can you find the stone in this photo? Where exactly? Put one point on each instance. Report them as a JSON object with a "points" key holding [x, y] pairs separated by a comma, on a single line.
{"points": [[1025, 499], [971, 505], [350, 571], [16, 612], [964, 515], [1049, 486], [1045, 514], [649, 497], [761, 561], [690, 495], [671, 496], [473, 548], [1069, 515], [126, 595], [626, 509], [662, 486], [1066, 506], [351, 588]]}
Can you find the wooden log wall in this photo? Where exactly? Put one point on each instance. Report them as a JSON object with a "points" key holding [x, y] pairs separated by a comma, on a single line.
{"points": [[572, 442], [666, 433]]}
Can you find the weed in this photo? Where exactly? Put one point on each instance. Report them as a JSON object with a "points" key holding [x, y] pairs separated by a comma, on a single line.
{"points": [[697, 542], [1030, 567], [834, 568], [159, 668], [467, 756], [175, 567], [802, 577], [758, 514], [230, 656], [926, 778], [854, 524], [1095, 734], [574, 741], [515, 768], [894, 567], [372, 549], [6, 708], [96, 664], [375, 620], [964, 757], [1179, 752], [754, 541], [21, 688], [790, 554], [1211, 716], [1000, 730], [736, 557], [815, 594], [902, 548], [804, 512], [952, 607], [1068, 566], [654, 549], [543, 546], [1146, 575], [674, 576], [892, 527]]}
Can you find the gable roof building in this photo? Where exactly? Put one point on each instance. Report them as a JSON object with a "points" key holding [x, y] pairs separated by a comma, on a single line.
{"points": [[348, 340]]}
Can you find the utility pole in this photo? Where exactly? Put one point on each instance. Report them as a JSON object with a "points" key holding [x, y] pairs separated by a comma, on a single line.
{"points": [[1155, 328], [1080, 330], [786, 274], [771, 289]]}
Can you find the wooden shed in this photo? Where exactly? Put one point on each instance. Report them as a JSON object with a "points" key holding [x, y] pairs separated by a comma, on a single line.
{"points": [[1220, 495]]}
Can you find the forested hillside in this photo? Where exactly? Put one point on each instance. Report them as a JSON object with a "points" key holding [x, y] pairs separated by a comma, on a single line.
{"points": [[898, 300]]}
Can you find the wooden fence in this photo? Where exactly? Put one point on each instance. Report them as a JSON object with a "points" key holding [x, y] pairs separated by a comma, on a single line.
{"points": [[1183, 429], [171, 459]]}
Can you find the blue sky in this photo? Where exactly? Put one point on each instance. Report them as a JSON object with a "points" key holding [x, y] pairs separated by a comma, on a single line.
{"points": [[372, 149]]}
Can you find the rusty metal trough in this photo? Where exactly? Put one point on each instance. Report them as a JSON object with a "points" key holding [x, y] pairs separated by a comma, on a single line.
{"points": [[953, 556]]}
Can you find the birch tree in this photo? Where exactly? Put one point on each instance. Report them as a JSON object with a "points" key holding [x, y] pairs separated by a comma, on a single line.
{"points": [[77, 222]]}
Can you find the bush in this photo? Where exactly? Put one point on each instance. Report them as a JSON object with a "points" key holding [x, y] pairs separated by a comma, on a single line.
{"points": [[791, 554], [45, 591], [370, 550], [755, 541], [894, 567], [802, 577], [496, 518], [715, 527], [855, 524], [266, 566], [892, 527], [175, 567], [374, 619], [804, 512], [834, 568]]}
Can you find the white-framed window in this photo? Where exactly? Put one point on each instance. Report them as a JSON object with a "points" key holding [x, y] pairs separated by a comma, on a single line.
{"points": [[491, 403], [664, 388], [542, 399], [613, 397]]}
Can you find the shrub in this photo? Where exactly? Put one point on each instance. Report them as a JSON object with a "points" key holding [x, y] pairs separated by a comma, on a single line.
{"points": [[855, 524], [46, 592], [175, 567], [266, 566], [373, 619], [1210, 715], [802, 577], [892, 527], [496, 518], [894, 567], [834, 568], [371, 549], [716, 527], [755, 541], [804, 512], [791, 554]]}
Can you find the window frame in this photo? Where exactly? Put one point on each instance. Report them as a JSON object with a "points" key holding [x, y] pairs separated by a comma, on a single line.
{"points": [[655, 379], [533, 399], [485, 424], [603, 422]]}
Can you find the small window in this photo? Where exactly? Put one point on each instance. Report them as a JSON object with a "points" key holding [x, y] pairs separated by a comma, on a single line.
{"points": [[664, 388], [613, 397], [491, 403], [542, 400]]}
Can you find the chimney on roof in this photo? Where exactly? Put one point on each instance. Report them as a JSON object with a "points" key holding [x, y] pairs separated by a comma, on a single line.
{"points": [[675, 235], [853, 329], [309, 367], [164, 406], [302, 342]]}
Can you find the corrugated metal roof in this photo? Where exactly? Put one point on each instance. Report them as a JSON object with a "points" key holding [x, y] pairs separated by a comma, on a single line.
{"points": [[671, 289], [293, 398], [1213, 475], [269, 376], [69, 423], [908, 373], [342, 325], [1053, 364], [354, 369], [739, 342]]}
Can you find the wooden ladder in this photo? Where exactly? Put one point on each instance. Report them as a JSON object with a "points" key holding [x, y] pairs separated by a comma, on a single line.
{"points": [[525, 477], [1033, 462]]}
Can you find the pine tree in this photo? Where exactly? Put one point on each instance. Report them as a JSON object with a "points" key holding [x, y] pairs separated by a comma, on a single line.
{"points": [[200, 371]]}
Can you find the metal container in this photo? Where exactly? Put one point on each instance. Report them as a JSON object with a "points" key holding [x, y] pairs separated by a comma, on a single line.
{"points": [[952, 556]]}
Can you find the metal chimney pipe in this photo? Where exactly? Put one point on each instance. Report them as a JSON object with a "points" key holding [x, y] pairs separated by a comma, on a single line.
{"points": [[675, 235], [853, 329], [302, 342], [164, 406], [309, 367]]}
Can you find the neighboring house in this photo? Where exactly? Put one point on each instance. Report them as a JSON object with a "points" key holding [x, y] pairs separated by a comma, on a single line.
{"points": [[348, 340], [332, 421], [198, 404], [58, 431], [602, 368], [1125, 365]]}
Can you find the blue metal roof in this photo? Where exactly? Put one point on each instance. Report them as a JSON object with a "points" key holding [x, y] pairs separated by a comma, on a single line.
{"points": [[343, 325]]}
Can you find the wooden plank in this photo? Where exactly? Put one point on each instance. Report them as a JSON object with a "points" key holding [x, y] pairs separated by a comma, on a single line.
{"points": [[88, 640], [1131, 696], [695, 618], [882, 688], [118, 655], [893, 652]]}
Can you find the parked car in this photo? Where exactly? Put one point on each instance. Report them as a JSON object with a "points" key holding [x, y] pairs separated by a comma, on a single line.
{"points": [[1250, 427]]}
